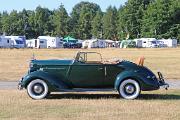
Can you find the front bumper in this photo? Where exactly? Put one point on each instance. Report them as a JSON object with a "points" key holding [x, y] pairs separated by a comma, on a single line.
{"points": [[161, 81], [20, 86]]}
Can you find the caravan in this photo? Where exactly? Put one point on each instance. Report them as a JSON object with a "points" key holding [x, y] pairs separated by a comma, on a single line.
{"points": [[168, 42], [149, 42], [5, 42], [94, 43], [17, 41], [36, 43], [45, 42], [52, 42]]}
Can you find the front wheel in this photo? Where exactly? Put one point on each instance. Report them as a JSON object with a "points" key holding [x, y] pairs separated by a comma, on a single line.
{"points": [[37, 89], [129, 89]]}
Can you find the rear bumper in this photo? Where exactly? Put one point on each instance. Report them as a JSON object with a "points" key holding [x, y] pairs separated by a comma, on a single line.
{"points": [[162, 82]]}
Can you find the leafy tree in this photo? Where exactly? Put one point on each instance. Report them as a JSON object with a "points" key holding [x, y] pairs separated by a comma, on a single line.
{"points": [[157, 19], [6, 23], [173, 27], [130, 18], [60, 21], [41, 19], [1, 24], [76, 20], [85, 24], [97, 25], [137, 18], [110, 24]]}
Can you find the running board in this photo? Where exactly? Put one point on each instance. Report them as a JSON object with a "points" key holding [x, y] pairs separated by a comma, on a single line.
{"points": [[87, 90]]}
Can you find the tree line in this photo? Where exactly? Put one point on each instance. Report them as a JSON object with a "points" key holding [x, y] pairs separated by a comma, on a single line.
{"points": [[135, 19]]}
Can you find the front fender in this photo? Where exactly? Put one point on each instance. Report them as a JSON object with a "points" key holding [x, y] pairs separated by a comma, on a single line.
{"points": [[145, 83], [53, 83]]}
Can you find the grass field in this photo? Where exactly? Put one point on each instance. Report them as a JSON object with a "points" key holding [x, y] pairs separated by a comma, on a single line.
{"points": [[157, 105], [14, 63]]}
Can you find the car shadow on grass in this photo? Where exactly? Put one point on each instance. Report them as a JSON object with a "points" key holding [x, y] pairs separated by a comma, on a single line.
{"points": [[114, 96], [159, 97], [83, 96]]}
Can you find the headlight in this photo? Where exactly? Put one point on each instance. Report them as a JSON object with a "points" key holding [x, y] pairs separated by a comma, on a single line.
{"points": [[30, 64]]}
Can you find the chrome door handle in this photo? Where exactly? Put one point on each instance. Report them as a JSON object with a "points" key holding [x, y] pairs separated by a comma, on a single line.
{"points": [[100, 68]]}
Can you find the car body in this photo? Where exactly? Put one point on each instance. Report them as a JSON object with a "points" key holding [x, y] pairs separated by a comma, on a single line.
{"points": [[87, 72]]}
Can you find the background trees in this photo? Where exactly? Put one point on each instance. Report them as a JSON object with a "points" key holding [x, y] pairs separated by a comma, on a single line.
{"points": [[97, 25], [110, 24], [137, 18], [60, 21], [81, 19]]}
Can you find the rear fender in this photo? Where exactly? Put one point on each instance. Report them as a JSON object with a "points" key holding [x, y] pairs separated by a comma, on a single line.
{"points": [[126, 75], [54, 84]]}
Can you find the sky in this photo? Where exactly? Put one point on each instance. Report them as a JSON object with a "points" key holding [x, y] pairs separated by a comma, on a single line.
{"points": [[9, 5]]}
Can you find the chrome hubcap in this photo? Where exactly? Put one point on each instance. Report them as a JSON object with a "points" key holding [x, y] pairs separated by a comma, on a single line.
{"points": [[38, 89], [129, 89]]}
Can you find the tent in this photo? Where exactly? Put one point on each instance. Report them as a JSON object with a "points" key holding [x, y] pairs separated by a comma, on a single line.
{"points": [[70, 39]]}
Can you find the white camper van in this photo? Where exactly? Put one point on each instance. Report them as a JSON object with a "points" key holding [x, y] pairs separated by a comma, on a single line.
{"points": [[169, 42], [17, 41], [149, 42], [52, 42], [36, 43], [5, 42], [94, 43]]}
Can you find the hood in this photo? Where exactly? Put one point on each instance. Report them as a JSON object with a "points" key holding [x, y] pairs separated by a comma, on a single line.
{"points": [[52, 62]]}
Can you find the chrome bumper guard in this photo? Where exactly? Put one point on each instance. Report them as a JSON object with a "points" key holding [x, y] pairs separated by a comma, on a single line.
{"points": [[20, 87], [161, 81]]}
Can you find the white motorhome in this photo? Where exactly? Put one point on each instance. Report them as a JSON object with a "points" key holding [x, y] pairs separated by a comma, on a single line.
{"points": [[17, 41], [94, 43], [168, 42], [52, 42], [5, 42], [149, 42], [111, 43], [36, 43], [139, 43]]}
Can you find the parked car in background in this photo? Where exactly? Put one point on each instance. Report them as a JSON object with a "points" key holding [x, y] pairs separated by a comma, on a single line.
{"points": [[72, 45], [87, 72]]}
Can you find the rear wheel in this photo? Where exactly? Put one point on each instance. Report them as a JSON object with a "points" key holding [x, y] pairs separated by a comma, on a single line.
{"points": [[129, 89], [37, 89]]}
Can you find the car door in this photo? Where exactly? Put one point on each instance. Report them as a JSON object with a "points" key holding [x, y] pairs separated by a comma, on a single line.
{"points": [[111, 72], [86, 74]]}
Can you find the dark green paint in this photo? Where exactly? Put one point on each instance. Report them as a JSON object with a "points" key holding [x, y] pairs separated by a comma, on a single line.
{"points": [[78, 73]]}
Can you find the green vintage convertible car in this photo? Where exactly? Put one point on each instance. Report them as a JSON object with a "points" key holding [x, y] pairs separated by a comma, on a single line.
{"points": [[87, 72]]}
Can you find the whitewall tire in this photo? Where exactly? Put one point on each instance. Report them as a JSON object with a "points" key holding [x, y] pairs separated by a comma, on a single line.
{"points": [[129, 89], [37, 89]]}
